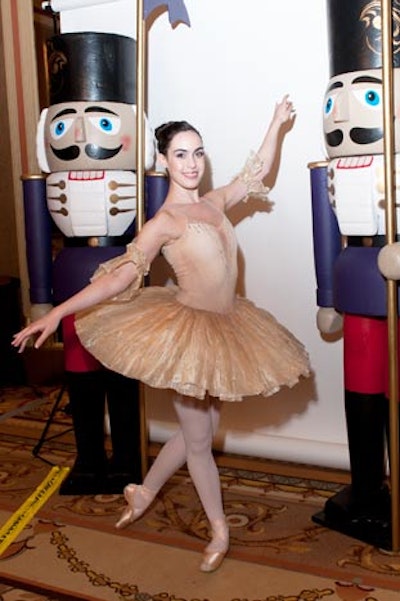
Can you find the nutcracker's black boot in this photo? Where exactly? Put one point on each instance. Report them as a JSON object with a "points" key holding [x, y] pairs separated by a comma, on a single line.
{"points": [[362, 510], [125, 424], [87, 407]]}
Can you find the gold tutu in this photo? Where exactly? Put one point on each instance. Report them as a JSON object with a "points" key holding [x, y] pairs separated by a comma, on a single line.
{"points": [[165, 344]]}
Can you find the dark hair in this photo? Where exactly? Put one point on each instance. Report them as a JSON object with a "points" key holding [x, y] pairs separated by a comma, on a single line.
{"points": [[166, 132]]}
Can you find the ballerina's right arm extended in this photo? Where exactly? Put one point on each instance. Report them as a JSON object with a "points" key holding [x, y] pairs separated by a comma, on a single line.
{"points": [[123, 273]]}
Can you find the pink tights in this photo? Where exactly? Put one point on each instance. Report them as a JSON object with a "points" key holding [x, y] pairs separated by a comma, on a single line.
{"points": [[192, 444]]}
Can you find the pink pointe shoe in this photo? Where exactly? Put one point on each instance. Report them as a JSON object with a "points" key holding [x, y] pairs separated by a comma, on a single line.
{"points": [[216, 550], [138, 498]]}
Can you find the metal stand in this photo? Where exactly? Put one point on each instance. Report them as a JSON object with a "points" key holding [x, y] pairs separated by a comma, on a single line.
{"points": [[43, 439]]}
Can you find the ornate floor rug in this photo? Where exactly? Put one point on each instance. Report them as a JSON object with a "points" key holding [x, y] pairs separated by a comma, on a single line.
{"points": [[70, 548]]}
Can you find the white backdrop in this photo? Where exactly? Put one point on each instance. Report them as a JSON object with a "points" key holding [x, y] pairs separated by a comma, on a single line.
{"points": [[224, 74]]}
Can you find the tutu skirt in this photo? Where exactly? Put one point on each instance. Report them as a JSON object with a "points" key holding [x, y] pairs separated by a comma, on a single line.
{"points": [[156, 339]]}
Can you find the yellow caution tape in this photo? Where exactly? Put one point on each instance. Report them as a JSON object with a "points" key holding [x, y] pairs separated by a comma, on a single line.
{"points": [[17, 522]]}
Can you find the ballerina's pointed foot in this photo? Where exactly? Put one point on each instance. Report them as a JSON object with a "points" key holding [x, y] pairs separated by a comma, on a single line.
{"points": [[138, 498], [212, 560], [215, 552], [125, 519]]}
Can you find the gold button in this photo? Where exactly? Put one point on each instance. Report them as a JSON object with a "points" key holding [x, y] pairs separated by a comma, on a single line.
{"points": [[93, 242], [367, 241]]}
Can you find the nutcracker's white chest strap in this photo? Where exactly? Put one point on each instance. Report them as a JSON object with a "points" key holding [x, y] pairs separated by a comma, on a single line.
{"points": [[357, 194], [92, 203]]}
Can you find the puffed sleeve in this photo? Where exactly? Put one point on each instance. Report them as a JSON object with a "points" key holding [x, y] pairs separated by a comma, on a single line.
{"points": [[134, 255]]}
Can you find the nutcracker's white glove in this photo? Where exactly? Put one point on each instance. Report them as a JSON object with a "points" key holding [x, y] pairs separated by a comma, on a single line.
{"points": [[329, 321], [389, 261], [38, 310]]}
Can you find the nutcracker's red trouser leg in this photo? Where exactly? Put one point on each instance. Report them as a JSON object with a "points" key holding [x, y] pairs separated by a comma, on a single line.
{"points": [[366, 406], [125, 425], [85, 385], [89, 385]]}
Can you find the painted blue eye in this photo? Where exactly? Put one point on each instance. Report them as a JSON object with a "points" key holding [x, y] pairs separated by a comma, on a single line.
{"points": [[107, 125], [370, 98], [328, 105], [59, 128]]}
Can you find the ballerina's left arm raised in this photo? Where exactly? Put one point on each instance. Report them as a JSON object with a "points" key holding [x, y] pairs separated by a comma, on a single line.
{"points": [[249, 182]]}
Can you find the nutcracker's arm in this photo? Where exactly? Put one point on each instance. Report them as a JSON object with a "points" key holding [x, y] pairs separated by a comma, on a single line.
{"points": [[327, 247], [38, 234]]}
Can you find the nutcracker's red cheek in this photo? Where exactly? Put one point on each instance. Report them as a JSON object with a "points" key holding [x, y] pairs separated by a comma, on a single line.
{"points": [[126, 142]]}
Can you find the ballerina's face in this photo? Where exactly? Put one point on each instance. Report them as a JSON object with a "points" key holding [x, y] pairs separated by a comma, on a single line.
{"points": [[185, 159]]}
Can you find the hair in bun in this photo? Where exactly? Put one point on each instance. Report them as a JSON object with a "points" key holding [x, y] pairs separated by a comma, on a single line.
{"points": [[167, 131]]}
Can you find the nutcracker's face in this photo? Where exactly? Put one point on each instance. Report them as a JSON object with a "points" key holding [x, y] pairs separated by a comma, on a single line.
{"points": [[353, 113], [91, 136]]}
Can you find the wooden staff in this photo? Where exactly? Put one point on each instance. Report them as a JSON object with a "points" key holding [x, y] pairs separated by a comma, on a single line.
{"points": [[140, 154], [391, 230], [140, 111]]}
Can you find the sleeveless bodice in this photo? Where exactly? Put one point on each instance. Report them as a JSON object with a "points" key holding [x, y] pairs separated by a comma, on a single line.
{"points": [[204, 260]]}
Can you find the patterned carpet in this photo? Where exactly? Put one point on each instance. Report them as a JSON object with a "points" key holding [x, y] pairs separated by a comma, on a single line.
{"points": [[70, 548]]}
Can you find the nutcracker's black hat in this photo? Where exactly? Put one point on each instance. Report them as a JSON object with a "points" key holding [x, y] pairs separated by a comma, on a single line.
{"points": [[91, 66], [355, 35]]}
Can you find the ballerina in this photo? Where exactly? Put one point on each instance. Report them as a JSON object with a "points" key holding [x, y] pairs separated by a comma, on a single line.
{"points": [[197, 337]]}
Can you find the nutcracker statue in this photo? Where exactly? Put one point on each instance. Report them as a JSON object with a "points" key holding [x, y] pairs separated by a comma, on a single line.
{"points": [[86, 144], [349, 232]]}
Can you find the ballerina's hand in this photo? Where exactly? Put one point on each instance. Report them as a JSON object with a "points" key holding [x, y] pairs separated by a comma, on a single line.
{"points": [[284, 110], [45, 326]]}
